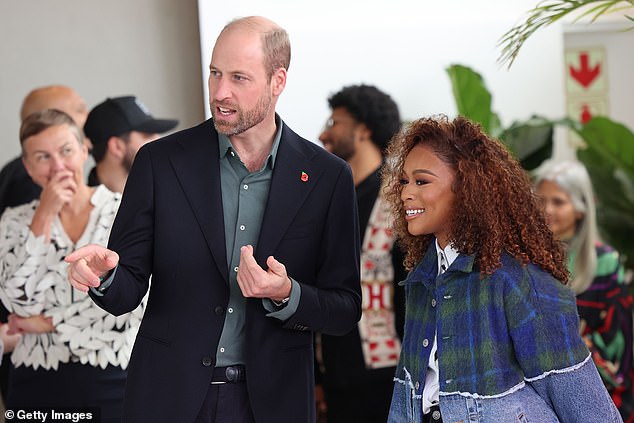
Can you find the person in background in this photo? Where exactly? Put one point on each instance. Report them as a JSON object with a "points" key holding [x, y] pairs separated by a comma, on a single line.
{"points": [[357, 369], [72, 353], [17, 187], [491, 329], [250, 234], [118, 127], [597, 276]]}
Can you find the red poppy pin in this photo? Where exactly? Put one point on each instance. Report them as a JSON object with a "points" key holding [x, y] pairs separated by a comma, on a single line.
{"points": [[304, 177]]}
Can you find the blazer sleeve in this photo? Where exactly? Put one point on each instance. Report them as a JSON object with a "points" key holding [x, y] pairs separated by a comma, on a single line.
{"points": [[132, 237], [333, 304]]}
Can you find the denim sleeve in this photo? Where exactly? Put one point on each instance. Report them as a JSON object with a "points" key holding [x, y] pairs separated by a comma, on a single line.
{"points": [[577, 395]]}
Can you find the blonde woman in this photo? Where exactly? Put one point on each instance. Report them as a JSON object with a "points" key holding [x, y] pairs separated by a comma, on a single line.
{"points": [[72, 353]]}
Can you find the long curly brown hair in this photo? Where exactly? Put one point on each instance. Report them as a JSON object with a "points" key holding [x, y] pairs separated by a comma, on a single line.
{"points": [[495, 209]]}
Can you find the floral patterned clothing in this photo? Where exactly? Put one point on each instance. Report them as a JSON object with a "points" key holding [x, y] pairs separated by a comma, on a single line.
{"points": [[33, 281], [605, 310]]}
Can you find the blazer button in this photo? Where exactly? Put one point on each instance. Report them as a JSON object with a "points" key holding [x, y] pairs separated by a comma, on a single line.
{"points": [[207, 361], [219, 310]]}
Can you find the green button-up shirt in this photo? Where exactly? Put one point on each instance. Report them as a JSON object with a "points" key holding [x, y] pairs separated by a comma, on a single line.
{"points": [[244, 197]]}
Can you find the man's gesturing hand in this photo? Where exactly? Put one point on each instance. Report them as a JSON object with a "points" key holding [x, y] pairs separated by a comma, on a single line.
{"points": [[87, 264], [256, 282]]}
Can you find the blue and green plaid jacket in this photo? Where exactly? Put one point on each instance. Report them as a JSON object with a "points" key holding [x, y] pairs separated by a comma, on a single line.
{"points": [[493, 334]]}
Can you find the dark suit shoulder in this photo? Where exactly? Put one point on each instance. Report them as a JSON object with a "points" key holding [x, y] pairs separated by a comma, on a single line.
{"points": [[311, 150], [201, 134]]}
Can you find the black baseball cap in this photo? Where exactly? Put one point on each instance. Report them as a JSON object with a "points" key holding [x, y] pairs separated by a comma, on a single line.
{"points": [[120, 115]]}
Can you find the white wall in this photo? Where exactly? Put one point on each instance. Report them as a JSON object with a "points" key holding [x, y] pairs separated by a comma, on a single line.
{"points": [[149, 48], [152, 48], [403, 47]]}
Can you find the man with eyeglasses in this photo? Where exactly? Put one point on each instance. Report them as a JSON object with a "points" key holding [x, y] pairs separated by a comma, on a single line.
{"points": [[357, 369]]}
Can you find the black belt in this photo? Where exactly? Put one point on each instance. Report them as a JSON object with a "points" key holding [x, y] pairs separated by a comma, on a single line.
{"points": [[433, 416], [229, 374]]}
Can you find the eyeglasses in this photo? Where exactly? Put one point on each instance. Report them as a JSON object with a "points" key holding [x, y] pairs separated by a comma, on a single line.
{"points": [[329, 123], [332, 122]]}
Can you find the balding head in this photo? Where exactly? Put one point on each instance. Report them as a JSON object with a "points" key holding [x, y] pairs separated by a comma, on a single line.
{"points": [[254, 23], [276, 46], [55, 97]]}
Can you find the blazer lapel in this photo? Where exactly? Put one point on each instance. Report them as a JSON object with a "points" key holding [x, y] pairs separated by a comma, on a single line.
{"points": [[294, 176], [198, 171]]}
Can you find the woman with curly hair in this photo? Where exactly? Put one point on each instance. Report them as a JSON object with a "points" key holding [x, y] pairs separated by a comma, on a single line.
{"points": [[491, 329], [597, 276]]}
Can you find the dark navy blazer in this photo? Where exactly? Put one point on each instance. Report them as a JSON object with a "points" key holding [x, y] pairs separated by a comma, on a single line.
{"points": [[170, 226]]}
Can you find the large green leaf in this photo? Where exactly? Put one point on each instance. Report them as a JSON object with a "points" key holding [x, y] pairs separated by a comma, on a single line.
{"points": [[531, 142], [473, 99], [610, 162], [612, 140], [612, 186]]}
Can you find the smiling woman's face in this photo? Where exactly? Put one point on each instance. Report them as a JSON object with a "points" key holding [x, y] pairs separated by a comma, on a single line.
{"points": [[427, 196]]}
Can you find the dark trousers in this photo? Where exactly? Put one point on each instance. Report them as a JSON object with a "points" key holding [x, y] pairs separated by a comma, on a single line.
{"points": [[226, 403], [72, 385]]}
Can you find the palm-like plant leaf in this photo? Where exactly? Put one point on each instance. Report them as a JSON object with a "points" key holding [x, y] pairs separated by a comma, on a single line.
{"points": [[550, 11]]}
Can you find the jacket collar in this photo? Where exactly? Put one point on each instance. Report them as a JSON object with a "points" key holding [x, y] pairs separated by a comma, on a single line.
{"points": [[426, 271]]}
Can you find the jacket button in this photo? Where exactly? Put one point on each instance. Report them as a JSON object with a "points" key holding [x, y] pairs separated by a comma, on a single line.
{"points": [[207, 361], [219, 310], [425, 342]]}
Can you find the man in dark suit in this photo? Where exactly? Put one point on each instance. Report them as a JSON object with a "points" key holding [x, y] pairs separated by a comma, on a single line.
{"points": [[250, 234]]}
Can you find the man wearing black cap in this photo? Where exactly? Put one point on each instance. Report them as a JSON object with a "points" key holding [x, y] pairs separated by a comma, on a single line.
{"points": [[118, 127]]}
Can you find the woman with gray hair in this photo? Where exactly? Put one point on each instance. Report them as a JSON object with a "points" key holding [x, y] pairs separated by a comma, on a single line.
{"points": [[597, 276]]}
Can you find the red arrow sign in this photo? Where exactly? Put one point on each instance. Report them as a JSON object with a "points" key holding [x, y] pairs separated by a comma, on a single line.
{"points": [[584, 75], [586, 115]]}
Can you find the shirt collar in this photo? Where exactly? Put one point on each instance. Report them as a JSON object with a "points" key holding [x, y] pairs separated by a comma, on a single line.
{"points": [[450, 253], [225, 147], [426, 270]]}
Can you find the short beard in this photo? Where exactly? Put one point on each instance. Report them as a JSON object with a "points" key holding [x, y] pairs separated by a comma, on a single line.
{"points": [[344, 149], [246, 120]]}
